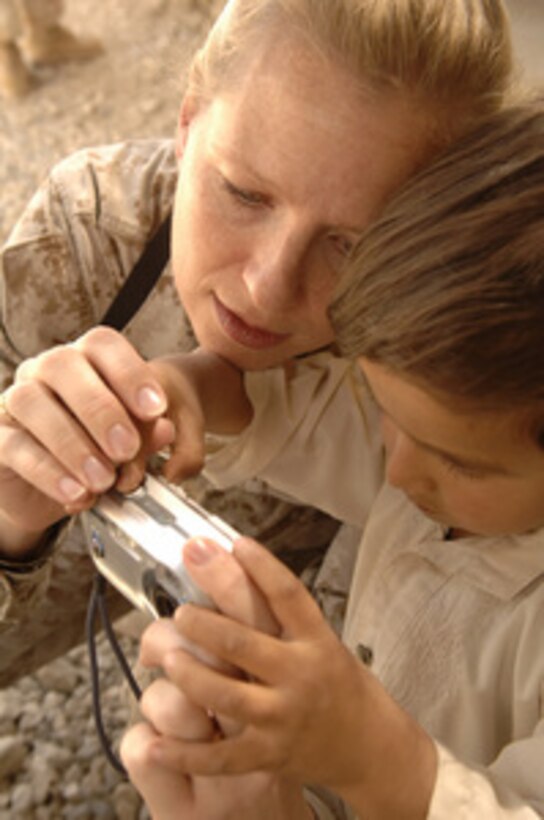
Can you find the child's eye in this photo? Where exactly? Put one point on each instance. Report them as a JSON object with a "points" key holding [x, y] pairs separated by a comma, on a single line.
{"points": [[242, 196], [472, 473]]}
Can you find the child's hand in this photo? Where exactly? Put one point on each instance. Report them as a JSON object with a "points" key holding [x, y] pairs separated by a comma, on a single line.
{"points": [[171, 793], [176, 375], [308, 708], [73, 416], [205, 393]]}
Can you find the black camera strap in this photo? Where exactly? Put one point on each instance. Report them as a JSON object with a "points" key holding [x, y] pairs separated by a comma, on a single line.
{"points": [[98, 605], [141, 280], [135, 290]]}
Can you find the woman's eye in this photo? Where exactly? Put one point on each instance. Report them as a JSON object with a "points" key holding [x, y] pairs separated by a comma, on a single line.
{"points": [[249, 198]]}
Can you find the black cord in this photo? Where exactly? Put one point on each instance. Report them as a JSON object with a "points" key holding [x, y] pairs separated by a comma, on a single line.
{"points": [[97, 603], [114, 643]]}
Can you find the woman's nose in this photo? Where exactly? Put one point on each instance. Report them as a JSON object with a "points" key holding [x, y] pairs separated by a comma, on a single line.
{"points": [[275, 274]]}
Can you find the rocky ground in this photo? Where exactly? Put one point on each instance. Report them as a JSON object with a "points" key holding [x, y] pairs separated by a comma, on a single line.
{"points": [[51, 765], [51, 762]]}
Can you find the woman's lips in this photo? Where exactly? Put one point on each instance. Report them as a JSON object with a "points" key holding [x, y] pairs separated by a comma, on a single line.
{"points": [[244, 334]]}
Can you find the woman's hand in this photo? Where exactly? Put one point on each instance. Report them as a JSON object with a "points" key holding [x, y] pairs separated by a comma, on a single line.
{"points": [[74, 415], [308, 709]]}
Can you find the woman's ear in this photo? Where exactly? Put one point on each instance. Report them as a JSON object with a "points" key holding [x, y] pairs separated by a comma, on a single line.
{"points": [[188, 110]]}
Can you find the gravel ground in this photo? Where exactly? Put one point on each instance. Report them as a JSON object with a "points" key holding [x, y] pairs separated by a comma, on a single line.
{"points": [[51, 762], [51, 765]]}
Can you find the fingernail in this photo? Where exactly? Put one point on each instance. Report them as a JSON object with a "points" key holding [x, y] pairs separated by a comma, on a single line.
{"points": [[130, 478], [71, 489], [99, 476], [199, 551], [150, 401], [122, 442]]}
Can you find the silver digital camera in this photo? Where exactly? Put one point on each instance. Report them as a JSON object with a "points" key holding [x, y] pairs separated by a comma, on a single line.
{"points": [[136, 543]]}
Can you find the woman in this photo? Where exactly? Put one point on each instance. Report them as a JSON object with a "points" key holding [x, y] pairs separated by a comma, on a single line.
{"points": [[282, 97]]}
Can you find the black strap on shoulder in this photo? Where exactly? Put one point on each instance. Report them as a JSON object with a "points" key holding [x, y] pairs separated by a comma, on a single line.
{"points": [[141, 279]]}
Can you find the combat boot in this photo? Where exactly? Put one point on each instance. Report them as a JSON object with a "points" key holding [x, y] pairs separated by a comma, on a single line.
{"points": [[56, 44], [15, 78]]}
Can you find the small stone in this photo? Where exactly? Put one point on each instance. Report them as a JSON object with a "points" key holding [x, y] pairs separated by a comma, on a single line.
{"points": [[59, 676], [12, 755], [22, 798]]}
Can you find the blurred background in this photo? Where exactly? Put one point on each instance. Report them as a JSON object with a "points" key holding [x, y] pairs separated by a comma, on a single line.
{"points": [[528, 23], [131, 90]]}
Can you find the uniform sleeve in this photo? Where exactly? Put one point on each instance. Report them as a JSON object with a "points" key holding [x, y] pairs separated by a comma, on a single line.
{"points": [[43, 605], [47, 297], [512, 788], [60, 267], [314, 437]]}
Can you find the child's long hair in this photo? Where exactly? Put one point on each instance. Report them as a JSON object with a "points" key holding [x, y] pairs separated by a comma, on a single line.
{"points": [[447, 288]]}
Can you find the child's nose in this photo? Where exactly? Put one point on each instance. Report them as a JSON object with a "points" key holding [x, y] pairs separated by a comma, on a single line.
{"points": [[406, 466]]}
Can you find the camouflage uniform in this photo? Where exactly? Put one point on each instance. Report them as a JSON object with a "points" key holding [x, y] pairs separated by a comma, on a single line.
{"points": [[64, 262]]}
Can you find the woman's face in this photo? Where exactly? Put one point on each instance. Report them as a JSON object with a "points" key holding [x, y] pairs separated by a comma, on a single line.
{"points": [[278, 177]]}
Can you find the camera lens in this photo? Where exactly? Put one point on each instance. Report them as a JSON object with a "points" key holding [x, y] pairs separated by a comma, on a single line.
{"points": [[164, 603], [161, 600]]}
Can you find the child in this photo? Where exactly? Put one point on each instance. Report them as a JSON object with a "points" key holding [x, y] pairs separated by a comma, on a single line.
{"points": [[443, 310]]}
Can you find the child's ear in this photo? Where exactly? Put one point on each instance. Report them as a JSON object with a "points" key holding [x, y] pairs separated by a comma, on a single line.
{"points": [[188, 110]]}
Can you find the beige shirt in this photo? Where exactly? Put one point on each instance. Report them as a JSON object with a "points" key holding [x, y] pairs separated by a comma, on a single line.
{"points": [[60, 269], [454, 630]]}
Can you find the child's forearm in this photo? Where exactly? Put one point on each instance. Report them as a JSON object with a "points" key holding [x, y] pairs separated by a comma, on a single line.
{"points": [[217, 385], [400, 783]]}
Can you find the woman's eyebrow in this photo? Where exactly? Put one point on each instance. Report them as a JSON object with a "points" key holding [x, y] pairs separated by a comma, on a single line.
{"points": [[231, 155]]}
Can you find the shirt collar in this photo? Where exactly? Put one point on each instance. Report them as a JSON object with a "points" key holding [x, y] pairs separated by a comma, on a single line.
{"points": [[502, 565]]}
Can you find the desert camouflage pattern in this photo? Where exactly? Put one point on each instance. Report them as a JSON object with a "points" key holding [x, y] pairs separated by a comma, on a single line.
{"points": [[64, 262]]}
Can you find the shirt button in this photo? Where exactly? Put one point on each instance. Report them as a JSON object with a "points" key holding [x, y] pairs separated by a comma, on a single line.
{"points": [[365, 654]]}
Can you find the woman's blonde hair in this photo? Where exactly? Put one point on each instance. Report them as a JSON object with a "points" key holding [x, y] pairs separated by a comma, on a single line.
{"points": [[453, 54], [447, 287]]}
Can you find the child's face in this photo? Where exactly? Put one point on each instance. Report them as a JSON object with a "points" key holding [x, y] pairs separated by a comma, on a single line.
{"points": [[278, 177], [475, 472]]}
